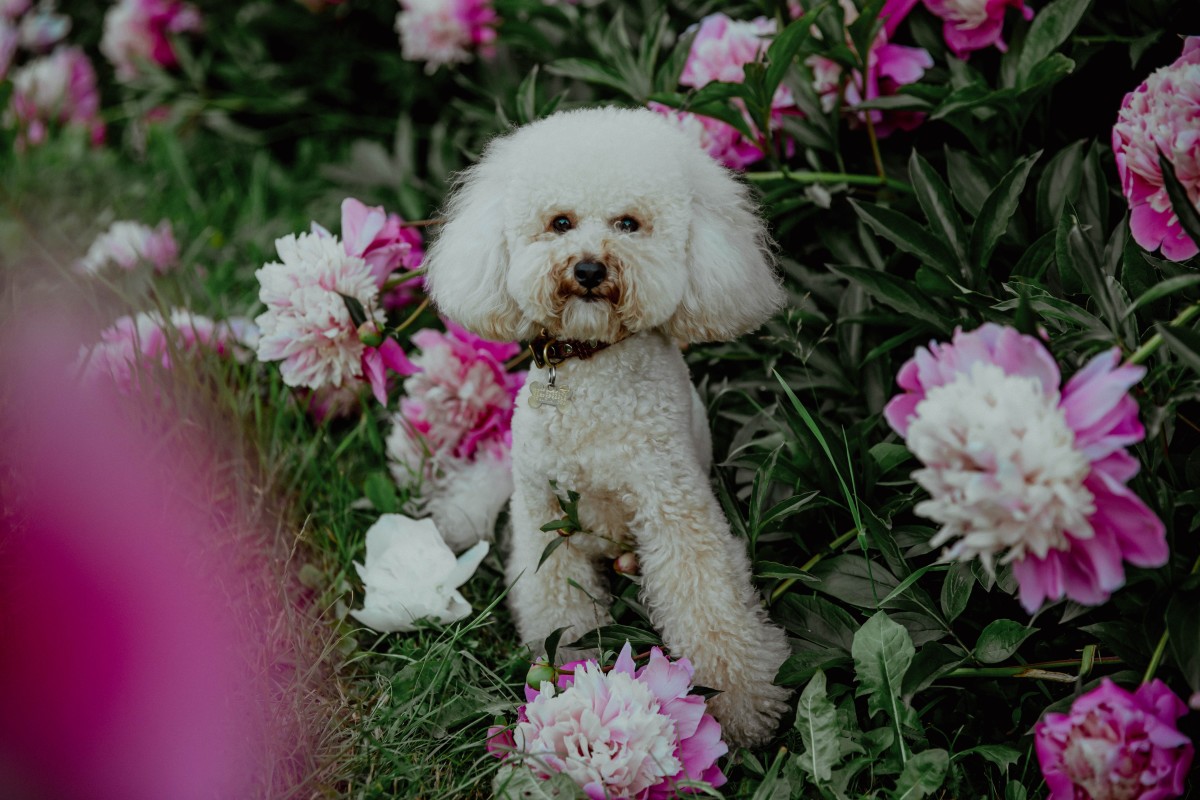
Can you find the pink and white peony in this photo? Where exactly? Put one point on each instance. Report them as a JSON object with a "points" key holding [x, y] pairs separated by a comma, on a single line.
{"points": [[1161, 114], [453, 434], [625, 733], [126, 244], [384, 242], [136, 33], [974, 24], [44, 28], [445, 31], [307, 325], [146, 341], [58, 89], [889, 66], [719, 139], [410, 574], [1023, 472], [1116, 745]]}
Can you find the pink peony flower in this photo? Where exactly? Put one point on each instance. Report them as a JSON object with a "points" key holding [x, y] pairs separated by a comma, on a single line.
{"points": [[133, 344], [136, 33], [719, 139], [1161, 114], [43, 29], [1115, 745], [11, 9], [384, 242], [1018, 469], [307, 325], [445, 31], [626, 733], [58, 89], [974, 24], [127, 244], [889, 66]]}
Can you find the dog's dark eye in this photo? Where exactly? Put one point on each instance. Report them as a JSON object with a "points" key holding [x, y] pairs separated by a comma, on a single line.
{"points": [[627, 225], [561, 224]]}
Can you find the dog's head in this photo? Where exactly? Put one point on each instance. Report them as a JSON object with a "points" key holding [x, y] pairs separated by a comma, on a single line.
{"points": [[600, 223]]}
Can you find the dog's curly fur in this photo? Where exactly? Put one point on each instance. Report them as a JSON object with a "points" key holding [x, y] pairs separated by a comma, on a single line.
{"points": [[634, 441]]}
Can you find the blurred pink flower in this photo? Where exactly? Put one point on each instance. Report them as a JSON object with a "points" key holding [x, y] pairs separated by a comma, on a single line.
{"points": [[385, 243], [1016, 469], [136, 33], [974, 24], [44, 28], [126, 244], [58, 89], [719, 139], [134, 344], [307, 325], [626, 733], [1161, 114], [1114, 745], [10, 37], [14, 8], [378, 359], [889, 66], [445, 31]]}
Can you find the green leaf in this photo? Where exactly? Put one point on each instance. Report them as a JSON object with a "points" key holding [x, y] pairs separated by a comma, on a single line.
{"points": [[614, 637], [996, 212], [381, 491], [1000, 639], [1184, 635], [930, 663], [1059, 183], [956, 590], [1001, 755], [358, 314], [783, 49], [892, 291], [801, 666], [904, 232], [1161, 290], [551, 642], [938, 204], [771, 569], [923, 774], [786, 508], [1181, 204], [1050, 28], [590, 71], [882, 652], [1183, 343], [816, 620], [551, 546], [888, 456], [817, 721], [969, 179], [516, 781], [855, 580], [910, 580]]}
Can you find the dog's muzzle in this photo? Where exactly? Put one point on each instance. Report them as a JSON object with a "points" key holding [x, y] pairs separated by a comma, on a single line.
{"points": [[590, 274]]}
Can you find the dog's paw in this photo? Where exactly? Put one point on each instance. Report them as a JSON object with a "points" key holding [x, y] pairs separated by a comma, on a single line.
{"points": [[749, 715]]}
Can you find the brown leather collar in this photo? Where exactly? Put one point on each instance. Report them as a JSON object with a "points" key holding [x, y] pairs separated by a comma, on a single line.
{"points": [[547, 350]]}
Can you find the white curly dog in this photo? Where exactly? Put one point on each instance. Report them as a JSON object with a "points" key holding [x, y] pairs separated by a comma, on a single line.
{"points": [[606, 236]]}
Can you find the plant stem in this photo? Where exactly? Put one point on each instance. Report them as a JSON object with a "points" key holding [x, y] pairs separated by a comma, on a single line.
{"points": [[1161, 649], [812, 562], [405, 277], [1155, 341], [829, 177], [413, 316], [1041, 671]]}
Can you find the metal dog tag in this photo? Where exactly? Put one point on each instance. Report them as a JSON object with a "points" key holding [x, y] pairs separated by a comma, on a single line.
{"points": [[542, 395]]}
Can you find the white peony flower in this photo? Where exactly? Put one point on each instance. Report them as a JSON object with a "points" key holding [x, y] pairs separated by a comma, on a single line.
{"points": [[411, 574], [306, 324], [127, 244]]}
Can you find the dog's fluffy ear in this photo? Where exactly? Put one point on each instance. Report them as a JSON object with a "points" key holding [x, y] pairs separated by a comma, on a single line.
{"points": [[732, 284], [468, 261]]}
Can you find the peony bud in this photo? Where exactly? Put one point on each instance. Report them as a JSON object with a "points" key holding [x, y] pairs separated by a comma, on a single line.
{"points": [[368, 334], [626, 563], [540, 672]]}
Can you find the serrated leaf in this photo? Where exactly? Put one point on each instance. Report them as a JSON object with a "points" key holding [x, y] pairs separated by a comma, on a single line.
{"points": [[938, 204], [999, 640], [996, 212], [381, 491], [923, 774], [1181, 204], [882, 652], [1050, 28], [816, 719], [1183, 343], [956, 590], [1001, 755], [907, 234]]}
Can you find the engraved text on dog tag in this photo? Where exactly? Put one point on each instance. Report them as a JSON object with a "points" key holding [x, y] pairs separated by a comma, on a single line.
{"points": [[540, 394]]}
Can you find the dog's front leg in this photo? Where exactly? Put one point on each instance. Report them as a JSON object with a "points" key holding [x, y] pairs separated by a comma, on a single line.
{"points": [[566, 590], [696, 581]]}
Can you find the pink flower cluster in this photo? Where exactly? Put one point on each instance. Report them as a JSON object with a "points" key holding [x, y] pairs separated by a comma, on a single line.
{"points": [[445, 31], [136, 33], [35, 31], [720, 50], [383, 241], [1116, 745], [134, 344], [55, 90], [1163, 114], [974, 24], [1018, 469], [627, 733], [889, 66], [127, 244]]}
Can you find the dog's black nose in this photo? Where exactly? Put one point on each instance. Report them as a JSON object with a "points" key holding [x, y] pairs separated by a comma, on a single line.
{"points": [[590, 274]]}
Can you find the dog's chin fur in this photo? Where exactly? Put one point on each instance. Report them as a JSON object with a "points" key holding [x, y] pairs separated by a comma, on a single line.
{"points": [[594, 319]]}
